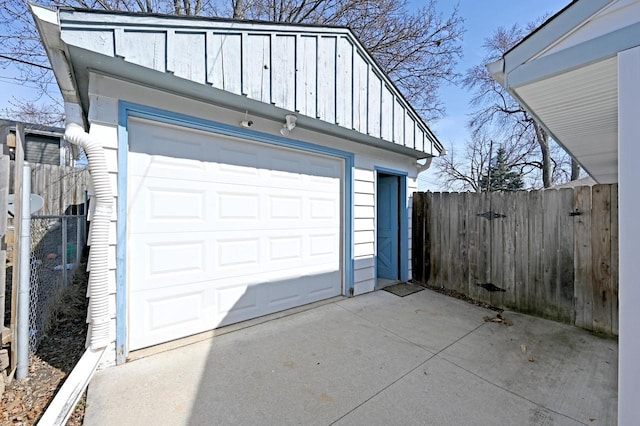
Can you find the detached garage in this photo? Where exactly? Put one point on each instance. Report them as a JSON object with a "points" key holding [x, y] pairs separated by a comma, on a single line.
{"points": [[251, 168]]}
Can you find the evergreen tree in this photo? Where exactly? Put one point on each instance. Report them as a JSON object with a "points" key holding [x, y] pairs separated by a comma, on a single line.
{"points": [[500, 177]]}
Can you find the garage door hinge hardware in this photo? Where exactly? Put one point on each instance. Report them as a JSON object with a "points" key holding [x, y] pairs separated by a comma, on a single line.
{"points": [[491, 215]]}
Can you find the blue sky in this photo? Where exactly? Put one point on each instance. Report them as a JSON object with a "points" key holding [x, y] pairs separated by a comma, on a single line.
{"points": [[481, 19]]}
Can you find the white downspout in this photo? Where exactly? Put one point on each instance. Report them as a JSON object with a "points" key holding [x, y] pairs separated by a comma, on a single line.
{"points": [[99, 317]]}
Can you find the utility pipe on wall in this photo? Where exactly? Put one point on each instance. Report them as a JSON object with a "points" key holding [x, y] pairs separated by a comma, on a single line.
{"points": [[22, 346], [99, 230]]}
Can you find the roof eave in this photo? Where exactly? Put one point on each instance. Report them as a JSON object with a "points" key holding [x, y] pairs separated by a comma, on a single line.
{"points": [[48, 26]]}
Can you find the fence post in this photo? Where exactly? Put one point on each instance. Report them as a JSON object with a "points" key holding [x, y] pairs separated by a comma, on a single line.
{"points": [[22, 368], [65, 260], [78, 241], [4, 195]]}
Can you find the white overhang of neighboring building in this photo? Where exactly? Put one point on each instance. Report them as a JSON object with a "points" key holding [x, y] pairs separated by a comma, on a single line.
{"points": [[579, 75], [548, 73], [322, 74]]}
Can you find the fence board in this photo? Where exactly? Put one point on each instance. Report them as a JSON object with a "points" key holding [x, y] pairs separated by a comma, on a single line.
{"points": [[614, 259], [565, 256], [496, 246], [418, 256], [583, 284], [473, 244], [455, 243], [550, 208], [555, 253], [508, 236], [436, 243], [536, 290], [484, 248], [601, 257], [463, 265], [427, 238], [521, 250], [61, 187]]}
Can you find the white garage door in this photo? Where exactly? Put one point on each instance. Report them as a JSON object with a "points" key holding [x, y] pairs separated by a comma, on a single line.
{"points": [[222, 230]]}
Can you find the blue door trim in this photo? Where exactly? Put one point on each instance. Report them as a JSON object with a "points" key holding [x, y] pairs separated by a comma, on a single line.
{"points": [[127, 110], [404, 219]]}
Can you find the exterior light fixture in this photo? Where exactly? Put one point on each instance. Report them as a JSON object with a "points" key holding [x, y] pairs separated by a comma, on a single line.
{"points": [[289, 125]]}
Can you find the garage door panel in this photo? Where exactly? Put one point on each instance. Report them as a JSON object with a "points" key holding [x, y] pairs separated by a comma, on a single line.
{"points": [[153, 138], [170, 260], [320, 286], [231, 228], [161, 166], [170, 313], [166, 205]]}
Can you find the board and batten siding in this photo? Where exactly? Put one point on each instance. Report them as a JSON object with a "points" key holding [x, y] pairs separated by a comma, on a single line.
{"points": [[318, 72]]}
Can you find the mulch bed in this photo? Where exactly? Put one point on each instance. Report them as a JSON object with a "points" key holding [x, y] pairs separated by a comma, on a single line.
{"points": [[24, 402]]}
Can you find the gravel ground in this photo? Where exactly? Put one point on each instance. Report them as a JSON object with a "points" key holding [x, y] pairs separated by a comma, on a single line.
{"points": [[24, 402]]}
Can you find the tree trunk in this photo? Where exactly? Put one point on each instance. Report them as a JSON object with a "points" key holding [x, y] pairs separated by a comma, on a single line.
{"points": [[575, 169], [543, 141], [238, 12]]}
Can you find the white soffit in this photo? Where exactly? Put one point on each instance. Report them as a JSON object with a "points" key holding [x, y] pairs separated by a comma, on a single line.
{"points": [[580, 108]]}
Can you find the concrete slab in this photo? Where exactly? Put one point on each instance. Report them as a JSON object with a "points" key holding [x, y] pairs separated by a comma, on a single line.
{"points": [[429, 319], [440, 393], [374, 359], [565, 369]]}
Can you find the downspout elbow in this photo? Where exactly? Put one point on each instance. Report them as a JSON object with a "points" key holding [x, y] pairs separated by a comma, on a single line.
{"points": [[426, 165], [99, 317]]}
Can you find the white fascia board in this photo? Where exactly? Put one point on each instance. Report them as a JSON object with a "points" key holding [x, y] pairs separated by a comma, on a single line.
{"points": [[47, 24], [549, 33], [496, 69], [586, 53], [69, 17]]}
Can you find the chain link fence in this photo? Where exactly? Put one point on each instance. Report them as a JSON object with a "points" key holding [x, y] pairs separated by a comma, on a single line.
{"points": [[57, 243]]}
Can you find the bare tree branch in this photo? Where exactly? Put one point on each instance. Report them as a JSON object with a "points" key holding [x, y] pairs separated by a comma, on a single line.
{"points": [[497, 113]]}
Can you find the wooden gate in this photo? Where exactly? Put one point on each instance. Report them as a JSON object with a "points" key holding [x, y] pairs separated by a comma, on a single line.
{"points": [[552, 253]]}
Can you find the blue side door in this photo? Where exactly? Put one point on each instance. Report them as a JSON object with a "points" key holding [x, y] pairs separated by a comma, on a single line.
{"points": [[388, 227]]}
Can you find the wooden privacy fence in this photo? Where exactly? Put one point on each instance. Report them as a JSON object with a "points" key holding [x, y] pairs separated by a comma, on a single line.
{"points": [[552, 253], [62, 187]]}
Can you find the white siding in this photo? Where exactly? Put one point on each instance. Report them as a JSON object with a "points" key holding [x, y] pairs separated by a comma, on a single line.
{"points": [[284, 72], [344, 83], [306, 76], [360, 74], [374, 104], [629, 296], [192, 45], [256, 66], [326, 79], [364, 230], [224, 61], [412, 186]]}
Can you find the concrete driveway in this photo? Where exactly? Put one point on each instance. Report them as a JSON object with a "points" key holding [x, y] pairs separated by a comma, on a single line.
{"points": [[376, 359]]}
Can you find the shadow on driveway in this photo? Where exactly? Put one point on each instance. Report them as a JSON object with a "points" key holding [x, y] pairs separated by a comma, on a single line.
{"points": [[375, 359]]}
